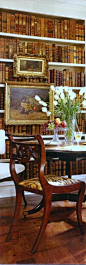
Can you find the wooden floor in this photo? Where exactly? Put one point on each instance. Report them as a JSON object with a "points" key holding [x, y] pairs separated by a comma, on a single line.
{"points": [[62, 242]]}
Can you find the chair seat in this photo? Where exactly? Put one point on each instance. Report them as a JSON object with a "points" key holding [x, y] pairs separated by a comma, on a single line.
{"points": [[5, 170], [34, 183]]}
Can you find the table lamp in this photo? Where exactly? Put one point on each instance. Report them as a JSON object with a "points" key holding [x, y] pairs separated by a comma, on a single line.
{"points": [[2, 142]]}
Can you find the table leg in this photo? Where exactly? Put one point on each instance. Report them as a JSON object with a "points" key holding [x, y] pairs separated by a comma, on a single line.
{"points": [[68, 168]]}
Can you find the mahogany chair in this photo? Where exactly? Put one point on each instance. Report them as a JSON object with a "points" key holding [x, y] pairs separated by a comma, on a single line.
{"points": [[33, 151]]}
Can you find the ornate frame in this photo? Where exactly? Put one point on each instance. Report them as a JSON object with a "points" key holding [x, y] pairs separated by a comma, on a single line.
{"points": [[30, 65], [21, 106]]}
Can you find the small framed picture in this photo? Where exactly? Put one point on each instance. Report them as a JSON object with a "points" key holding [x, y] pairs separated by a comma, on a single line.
{"points": [[29, 66]]}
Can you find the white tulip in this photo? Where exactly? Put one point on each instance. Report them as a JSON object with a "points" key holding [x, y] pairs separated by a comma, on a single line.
{"points": [[84, 103], [62, 95], [37, 98], [56, 97], [66, 89], [72, 95], [57, 91], [60, 90], [55, 102], [43, 103], [44, 109], [48, 113], [52, 87]]}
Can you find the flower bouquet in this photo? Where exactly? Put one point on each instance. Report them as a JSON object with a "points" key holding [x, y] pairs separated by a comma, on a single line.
{"points": [[66, 104]]}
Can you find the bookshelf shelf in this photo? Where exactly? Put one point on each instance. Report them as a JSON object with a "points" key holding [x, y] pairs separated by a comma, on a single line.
{"points": [[46, 39], [2, 111], [74, 88], [2, 85], [66, 64], [49, 63], [6, 60], [83, 111]]}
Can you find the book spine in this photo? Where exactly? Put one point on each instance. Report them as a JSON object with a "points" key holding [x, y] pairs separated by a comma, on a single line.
{"points": [[77, 31], [0, 21], [42, 27], [82, 32], [32, 26], [12, 23], [4, 22], [20, 24], [24, 24], [16, 23], [8, 22]]}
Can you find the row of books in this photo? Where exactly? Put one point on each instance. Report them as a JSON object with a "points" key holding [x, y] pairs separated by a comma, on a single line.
{"points": [[66, 78], [41, 26], [23, 129], [54, 53], [66, 54], [58, 167], [7, 47], [59, 78], [6, 74], [81, 124]]}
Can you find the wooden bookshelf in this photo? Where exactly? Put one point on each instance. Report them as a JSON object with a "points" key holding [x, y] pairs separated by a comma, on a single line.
{"points": [[60, 39]]}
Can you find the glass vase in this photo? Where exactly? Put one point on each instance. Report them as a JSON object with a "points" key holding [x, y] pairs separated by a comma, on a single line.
{"points": [[69, 134], [55, 139]]}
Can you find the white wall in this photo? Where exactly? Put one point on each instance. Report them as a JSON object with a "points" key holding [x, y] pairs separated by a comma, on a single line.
{"points": [[70, 9]]}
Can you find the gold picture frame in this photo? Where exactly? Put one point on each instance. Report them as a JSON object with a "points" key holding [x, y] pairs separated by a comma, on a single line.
{"points": [[27, 65], [20, 104]]}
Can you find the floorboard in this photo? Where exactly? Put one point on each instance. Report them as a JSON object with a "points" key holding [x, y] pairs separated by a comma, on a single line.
{"points": [[62, 242]]}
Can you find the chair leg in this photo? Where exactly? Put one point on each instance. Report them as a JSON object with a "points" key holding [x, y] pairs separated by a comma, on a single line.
{"points": [[79, 208], [35, 209], [47, 208], [16, 214], [24, 199]]}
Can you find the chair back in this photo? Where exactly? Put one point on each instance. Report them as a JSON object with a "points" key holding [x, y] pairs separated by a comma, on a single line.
{"points": [[30, 151]]}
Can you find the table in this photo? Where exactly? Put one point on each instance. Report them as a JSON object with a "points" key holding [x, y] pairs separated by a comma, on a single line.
{"points": [[68, 154]]}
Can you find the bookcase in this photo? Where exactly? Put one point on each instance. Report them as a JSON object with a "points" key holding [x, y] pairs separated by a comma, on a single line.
{"points": [[60, 39]]}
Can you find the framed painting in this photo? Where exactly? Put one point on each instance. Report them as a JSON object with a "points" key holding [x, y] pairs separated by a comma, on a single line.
{"points": [[21, 106], [30, 66]]}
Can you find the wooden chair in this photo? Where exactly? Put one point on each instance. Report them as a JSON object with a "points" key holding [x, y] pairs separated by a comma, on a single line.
{"points": [[33, 151]]}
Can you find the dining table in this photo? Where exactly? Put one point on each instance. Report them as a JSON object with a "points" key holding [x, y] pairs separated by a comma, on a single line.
{"points": [[66, 153]]}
